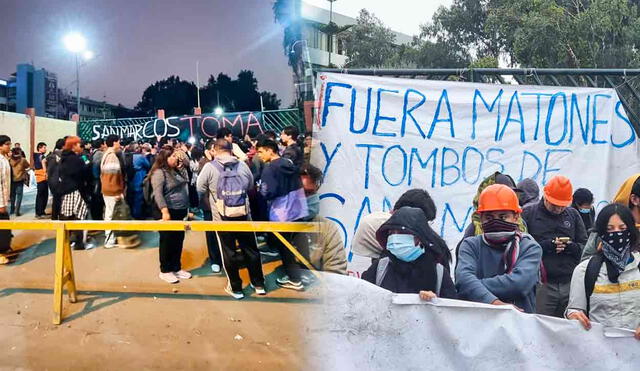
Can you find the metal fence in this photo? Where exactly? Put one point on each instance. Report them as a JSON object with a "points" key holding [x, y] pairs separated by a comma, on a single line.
{"points": [[277, 120], [274, 120], [625, 81]]}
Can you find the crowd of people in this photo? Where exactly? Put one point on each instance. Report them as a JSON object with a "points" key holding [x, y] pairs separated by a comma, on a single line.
{"points": [[549, 255], [265, 178]]}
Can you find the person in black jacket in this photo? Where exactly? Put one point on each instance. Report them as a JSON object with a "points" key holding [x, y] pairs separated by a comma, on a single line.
{"points": [[560, 232], [416, 260], [74, 188], [583, 202], [289, 137]]}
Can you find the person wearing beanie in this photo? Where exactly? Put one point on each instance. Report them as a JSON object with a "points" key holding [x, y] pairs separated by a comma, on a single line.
{"points": [[560, 232], [500, 266], [583, 202]]}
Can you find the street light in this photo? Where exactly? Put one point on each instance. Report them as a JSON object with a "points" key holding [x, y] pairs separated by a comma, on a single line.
{"points": [[218, 111], [76, 43]]}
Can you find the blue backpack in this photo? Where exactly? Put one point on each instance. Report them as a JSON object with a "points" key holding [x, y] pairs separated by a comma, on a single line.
{"points": [[231, 192]]}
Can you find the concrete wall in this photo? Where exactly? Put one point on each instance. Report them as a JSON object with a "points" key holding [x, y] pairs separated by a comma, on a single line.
{"points": [[49, 130], [17, 126]]}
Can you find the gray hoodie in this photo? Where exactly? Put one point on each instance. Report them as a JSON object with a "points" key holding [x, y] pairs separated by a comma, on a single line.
{"points": [[207, 183], [481, 277], [530, 192], [170, 189]]}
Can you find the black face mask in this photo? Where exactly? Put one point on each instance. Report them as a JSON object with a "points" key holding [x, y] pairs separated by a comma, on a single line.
{"points": [[616, 248], [499, 225]]}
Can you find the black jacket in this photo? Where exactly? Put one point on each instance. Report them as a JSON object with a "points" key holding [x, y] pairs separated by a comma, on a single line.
{"points": [[420, 274], [411, 278], [74, 174], [295, 154], [544, 227]]}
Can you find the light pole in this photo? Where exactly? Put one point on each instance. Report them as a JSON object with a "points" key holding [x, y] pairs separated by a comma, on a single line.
{"points": [[76, 43]]}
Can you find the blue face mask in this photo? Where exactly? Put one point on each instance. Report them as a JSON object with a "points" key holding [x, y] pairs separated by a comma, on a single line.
{"points": [[585, 211], [403, 247], [313, 204]]}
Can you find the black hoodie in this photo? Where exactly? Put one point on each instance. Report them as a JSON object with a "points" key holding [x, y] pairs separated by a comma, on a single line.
{"points": [[420, 274], [74, 174]]}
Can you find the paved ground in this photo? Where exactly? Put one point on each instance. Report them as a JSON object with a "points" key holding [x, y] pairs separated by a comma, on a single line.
{"points": [[126, 318]]}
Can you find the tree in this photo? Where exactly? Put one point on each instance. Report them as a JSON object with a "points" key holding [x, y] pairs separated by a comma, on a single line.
{"points": [[543, 33], [287, 13], [178, 97], [369, 43], [270, 100], [175, 96]]}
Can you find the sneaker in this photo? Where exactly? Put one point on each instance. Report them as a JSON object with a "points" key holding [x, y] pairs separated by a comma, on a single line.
{"points": [[215, 268], [169, 277], [111, 246], [266, 251], [259, 290], [286, 283], [182, 274], [236, 294]]}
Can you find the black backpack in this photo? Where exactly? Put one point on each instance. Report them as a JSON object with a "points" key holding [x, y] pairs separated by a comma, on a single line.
{"points": [[53, 172], [147, 194]]}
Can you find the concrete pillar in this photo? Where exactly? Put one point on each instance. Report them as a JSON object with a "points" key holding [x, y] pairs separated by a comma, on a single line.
{"points": [[160, 114], [308, 115], [31, 112]]}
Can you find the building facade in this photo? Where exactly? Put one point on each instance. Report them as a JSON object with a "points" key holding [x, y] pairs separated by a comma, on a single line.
{"points": [[38, 88], [329, 50], [4, 92]]}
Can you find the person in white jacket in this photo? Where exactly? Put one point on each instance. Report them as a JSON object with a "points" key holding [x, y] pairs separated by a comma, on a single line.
{"points": [[606, 287], [5, 190]]}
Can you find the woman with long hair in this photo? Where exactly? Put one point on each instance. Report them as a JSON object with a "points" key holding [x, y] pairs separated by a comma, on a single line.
{"points": [[604, 288], [169, 181]]}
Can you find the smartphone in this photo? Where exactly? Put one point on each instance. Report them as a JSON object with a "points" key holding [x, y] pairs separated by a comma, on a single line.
{"points": [[563, 239]]}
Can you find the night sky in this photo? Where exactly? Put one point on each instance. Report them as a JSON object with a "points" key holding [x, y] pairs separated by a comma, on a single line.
{"points": [[138, 42]]}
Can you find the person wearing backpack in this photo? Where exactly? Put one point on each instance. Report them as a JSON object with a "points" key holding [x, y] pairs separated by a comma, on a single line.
{"points": [[604, 288], [281, 187], [628, 195], [502, 265], [415, 259], [227, 182]]}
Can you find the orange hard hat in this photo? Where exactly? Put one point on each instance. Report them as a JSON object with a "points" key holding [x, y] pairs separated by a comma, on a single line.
{"points": [[559, 191], [498, 197]]}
